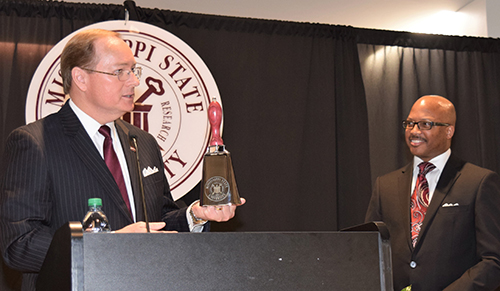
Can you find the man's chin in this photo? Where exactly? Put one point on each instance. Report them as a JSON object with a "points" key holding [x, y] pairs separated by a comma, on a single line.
{"points": [[128, 108], [417, 151]]}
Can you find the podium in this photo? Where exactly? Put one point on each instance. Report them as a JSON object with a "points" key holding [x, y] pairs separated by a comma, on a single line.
{"points": [[356, 259]]}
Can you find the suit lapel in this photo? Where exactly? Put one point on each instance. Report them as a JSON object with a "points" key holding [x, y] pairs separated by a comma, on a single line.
{"points": [[87, 152], [450, 174], [404, 185]]}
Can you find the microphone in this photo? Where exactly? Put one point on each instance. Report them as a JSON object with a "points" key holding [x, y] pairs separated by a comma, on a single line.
{"points": [[141, 185]]}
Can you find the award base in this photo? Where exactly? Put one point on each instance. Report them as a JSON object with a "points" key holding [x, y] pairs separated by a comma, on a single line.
{"points": [[218, 185]]}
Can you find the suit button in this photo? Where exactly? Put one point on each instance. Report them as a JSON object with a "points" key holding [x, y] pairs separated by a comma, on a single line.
{"points": [[413, 264]]}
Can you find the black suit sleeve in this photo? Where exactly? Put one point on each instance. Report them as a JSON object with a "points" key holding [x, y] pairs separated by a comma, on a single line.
{"points": [[174, 217], [25, 206], [373, 213]]}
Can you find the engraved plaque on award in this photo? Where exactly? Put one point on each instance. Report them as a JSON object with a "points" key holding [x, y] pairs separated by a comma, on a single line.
{"points": [[218, 185]]}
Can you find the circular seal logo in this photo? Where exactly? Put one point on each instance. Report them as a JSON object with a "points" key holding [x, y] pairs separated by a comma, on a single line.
{"points": [[217, 189], [171, 101]]}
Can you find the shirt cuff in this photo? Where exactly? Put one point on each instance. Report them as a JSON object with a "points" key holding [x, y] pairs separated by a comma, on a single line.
{"points": [[192, 226]]}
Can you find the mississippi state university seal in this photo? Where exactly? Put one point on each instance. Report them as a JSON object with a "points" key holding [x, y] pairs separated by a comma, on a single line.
{"points": [[217, 189], [171, 101]]}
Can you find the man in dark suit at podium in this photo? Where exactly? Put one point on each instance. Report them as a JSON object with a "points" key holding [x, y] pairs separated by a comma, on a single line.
{"points": [[54, 165], [443, 214]]}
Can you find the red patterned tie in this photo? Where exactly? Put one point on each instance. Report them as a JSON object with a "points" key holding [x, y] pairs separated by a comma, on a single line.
{"points": [[112, 162], [420, 200]]}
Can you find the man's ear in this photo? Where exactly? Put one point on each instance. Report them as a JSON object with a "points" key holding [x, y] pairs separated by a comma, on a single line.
{"points": [[450, 131], [80, 78]]}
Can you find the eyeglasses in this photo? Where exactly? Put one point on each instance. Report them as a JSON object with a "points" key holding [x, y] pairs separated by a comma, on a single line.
{"points": [[422, 125], [123, 75]]}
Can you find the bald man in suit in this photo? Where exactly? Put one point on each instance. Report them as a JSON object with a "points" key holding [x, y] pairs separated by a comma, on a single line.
{"points": [[54, 165], [453, 242]]}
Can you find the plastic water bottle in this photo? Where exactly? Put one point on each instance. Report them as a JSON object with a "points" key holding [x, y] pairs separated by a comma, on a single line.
{"points": [[95, 220]]}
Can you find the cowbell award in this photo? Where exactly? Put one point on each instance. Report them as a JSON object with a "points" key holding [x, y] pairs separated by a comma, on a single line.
{"points": [[218, 184]]}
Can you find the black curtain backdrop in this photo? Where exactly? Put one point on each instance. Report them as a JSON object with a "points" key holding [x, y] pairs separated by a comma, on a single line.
{"points": [[312, 112]]}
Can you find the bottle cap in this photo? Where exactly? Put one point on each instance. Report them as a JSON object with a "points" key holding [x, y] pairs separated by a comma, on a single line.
{"points": [[95, 202]]}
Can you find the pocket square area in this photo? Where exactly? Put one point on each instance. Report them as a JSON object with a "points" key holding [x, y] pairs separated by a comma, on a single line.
{"points": [[148, 171], [450, 205]]}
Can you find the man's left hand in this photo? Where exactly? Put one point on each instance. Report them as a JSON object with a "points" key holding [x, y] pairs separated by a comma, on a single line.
{"points": [[216, 213]]}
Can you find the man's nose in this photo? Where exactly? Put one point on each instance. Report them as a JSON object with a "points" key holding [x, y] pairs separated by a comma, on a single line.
{"points": [[415, 128], [134, 80]]}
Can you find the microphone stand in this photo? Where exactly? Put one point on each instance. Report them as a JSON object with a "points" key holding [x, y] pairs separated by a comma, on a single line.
{"points": [[141, 185]]}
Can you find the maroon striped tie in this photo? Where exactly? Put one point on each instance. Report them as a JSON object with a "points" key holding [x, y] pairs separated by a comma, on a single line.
{"points": [[112, 162], [420, 200]]}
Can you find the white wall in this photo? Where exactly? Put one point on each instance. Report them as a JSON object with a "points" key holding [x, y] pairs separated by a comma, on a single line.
{"points": [[426, 16], [493, 17]]}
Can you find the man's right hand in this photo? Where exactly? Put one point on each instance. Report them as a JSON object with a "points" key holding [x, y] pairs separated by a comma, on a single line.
{"points": [[140, 227]]}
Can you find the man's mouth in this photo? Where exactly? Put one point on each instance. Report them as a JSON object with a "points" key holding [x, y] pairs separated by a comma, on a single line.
{"points": [[129, 95], [416, 140]]}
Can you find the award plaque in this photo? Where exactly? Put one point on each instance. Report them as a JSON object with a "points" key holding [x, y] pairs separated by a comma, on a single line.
{"points": [[218, 184]]}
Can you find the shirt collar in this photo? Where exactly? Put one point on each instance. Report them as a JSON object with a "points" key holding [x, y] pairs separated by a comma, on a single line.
{"points": [[91, 125], [438, 161]]}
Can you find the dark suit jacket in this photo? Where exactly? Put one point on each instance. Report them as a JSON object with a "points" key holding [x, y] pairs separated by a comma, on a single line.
{"points": [[458, 246], [51, 170]]}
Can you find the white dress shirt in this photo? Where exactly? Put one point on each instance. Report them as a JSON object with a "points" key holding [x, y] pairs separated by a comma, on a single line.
{"points": [[432, 176]]}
